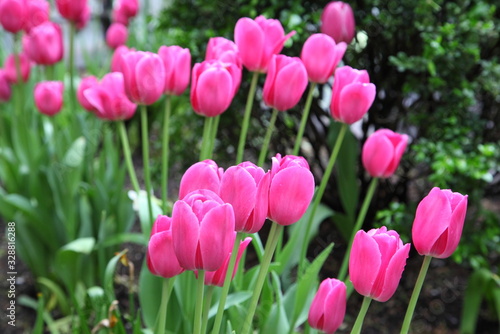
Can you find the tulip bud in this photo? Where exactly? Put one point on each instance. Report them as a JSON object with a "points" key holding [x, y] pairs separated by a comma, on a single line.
{"points": [[72, 10], [177, 63], [10, 68], [202, 175], [328, 307], [86, 82], [291, 189], [377, 260], [202, 230], [337, 21], [116, 35], [83, 18], [5, 89], [44, 44], [220, 48], [321, 56], [285, 83], [38, 13], [130, 8], [13, 15], [382, 152], [48, 96], [438, 223], [352, 95]]}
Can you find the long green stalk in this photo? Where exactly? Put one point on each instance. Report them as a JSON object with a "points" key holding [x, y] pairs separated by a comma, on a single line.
{"points": [[213, 135], [206, 308], [267, 138], [145, 159], [356, 329], [71, 66], [161, 321], [205, 141], [165, 154], [246, 118], [128, 157], [303, 121], [200, 289]]}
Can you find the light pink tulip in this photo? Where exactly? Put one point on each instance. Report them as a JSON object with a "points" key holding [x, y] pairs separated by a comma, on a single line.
{"points": [[321, 56], [38, 13], [116, 59], [10, 68], [44, 44], [13, 15], [5, 89], [328, 307], [177, 62], [337, 21], [223, 49], [48, 96], [86, 82], [72, 10], [286, 81], [291, 189], [258, 40], [202, 175], [160, 256], [438, 223], [116, 35], [377, 260], [382, 152], [202, 230], [109, 98], [352, 95], [246, 188]]}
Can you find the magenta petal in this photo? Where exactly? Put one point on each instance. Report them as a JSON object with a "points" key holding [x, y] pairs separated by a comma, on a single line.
{"points": [[150, 76], [336, 302], [162, 257], [249, 38], [455, 228], [185, 234], [354, 101], [377, 155], [364, 263], [201, 175], [259, 214], [214, 92], [393, 273], [291, 82]]}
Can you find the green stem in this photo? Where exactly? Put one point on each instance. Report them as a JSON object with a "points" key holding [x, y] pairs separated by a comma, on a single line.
{"points": [[320, 192], [213, 135], [356, 329], [206, 308], [246, 118], [71, 65], [128, 157], [267, 138], [357, 226], [303, 121], [272, 240], [199, 302], [415, 294], [161, 321], [205, 141], [145, 159], [165, 153], [227, 283]]}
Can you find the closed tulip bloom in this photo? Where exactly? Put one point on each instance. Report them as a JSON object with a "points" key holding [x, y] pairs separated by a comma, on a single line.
{"points": [[144, 76], [382, 152], [10, 68], [85, 83], [213, 86], [177, 63], [5, 89], [337, 21], [13, 15], [285, 83], [83, 19], [109, 99], [216, 278], [352, 95], [258, 40], [48, 96], [377, 260], [223, 49], [328, 307], [118, 15], [202, 230], [438, 223], [72, 9], [116, 59], [44, 44], [246, 188], [202, 175], [116, 35], [321, 56], [291, 189], [130, 8], [160, 256], [38, 13]]}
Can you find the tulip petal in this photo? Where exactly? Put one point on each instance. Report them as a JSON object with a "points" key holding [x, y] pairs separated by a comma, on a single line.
{"points": [[185, 234], [214, 92], [259, 213], [393, 274], [249, 38], [364, 263], [291, 81], [161, 256], [455, 228], [336, 302], [150, 78], [201, 175], [354, 101], [377, 155]]}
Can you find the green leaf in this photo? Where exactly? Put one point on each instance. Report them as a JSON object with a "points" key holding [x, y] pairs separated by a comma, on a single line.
{"points": [[75, 154], [61, 297], [347, 179], [82, 245], [109, 275], [69, 261], [476, 288], [150, 287], [235, 298]]}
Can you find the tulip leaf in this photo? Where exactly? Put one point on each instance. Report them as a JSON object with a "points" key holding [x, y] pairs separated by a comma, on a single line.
{"points": [[474, 293], [232, 299], [109, 275], [57, 291], [277, 320]]}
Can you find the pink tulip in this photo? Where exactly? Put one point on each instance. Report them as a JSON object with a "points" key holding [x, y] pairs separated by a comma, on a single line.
{"points": [[291, 189], [83, 19], [352, 95], [202, 175], [382, 152], [438, 223], [177, 63], [321, 56], [109, 98], [116, 35], [13, 15], [160, 256], [217, 277], [202, 230], [213, 86], [48, 96], [116, 59], [258, 40], [38, 13], [119, 16], [220, 48], [246, 188], [44, 44], [86, 82], [10, 68], [72, 10], [377, 260], [285, 83], [129, 7], [144, 76], [328, 307], [337, 21], [5, 89]]}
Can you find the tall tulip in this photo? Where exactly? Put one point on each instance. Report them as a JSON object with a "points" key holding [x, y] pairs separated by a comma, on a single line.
{"points": [[116, 58], [44, 44], [177, 63], [71, 9], [223, 49], [13, 15], [328, 307], [86, 82], [10, 68], [337, 21], [48, 96], [5, 89], [38, 13], [382, 152], [201, 175], [116, 35]]}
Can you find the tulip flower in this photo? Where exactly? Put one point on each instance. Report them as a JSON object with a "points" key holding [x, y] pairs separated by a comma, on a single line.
{"points": [[38, 13], [285, 83], [438, 223], [116, 59], [217, 277], [328, 307], [13, 15], [5, 89], [44, 44], [246, 188], [291, 189], [109, 99], [10, 68], [202, 230], [48, 96], [116, 35], [352, 95], [85, 83], [337, 21], [321, 56], [83, 19], [258, 40], [382, 152], [144, 76], [376, 263], [202, 175], [223, 49], [125, 10], [213, 86], [72, 10], [160, 256], [177, 63]]}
